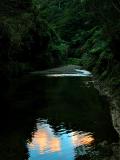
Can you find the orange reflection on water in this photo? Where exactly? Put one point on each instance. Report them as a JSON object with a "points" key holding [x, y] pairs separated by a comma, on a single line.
{"points": [[46, 141], [82, 139], [55, 145]]}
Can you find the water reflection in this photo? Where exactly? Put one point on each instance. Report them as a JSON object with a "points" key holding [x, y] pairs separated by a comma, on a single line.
{"points": [[82, 139], [46, 144], [58, 100], [45, 140]]}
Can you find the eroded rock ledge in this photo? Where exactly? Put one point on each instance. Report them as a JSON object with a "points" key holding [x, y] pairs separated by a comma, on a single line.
{"points": [[114, 103]]}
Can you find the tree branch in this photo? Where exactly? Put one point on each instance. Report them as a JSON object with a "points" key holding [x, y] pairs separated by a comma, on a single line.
{"points": [[114, 5]]}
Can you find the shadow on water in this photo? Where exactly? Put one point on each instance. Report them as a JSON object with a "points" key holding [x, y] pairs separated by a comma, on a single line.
{"points": [[45, 112]]}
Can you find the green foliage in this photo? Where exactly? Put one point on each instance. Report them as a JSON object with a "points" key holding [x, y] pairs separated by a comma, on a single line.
{"points": [[97, 53], [25, 41], [14, 7], [74, 61], [4, 43], [60, 48], [44, 34], [91, 27]]}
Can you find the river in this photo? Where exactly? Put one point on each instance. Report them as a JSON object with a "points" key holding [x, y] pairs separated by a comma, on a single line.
{"points": [[65, 117]]}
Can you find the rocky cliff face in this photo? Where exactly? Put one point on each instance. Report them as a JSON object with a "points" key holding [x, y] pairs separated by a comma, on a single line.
{"points": [[114, 103], [115, 112]]}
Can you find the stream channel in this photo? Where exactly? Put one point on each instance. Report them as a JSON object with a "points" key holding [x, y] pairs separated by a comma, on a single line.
{"points": [[65, 118]]}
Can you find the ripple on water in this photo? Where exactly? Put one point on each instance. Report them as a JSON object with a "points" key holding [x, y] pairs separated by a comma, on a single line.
{"points": [[46, 144]]}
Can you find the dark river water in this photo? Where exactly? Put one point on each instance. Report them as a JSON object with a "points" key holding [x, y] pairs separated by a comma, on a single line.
{"points": [[54, 118]]}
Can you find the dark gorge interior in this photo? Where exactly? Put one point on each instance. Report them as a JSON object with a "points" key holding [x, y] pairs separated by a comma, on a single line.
{"points": [[79, 36]]}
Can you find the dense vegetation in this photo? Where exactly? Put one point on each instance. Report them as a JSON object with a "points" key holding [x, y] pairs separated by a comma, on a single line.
{"points": [[27, 42], [36, 34], [41, 34], [91, 29]]}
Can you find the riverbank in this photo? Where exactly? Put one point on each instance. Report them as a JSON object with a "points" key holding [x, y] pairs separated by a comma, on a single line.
{"points": [[34, 93], [114, 102], [114, 105], [104, 90], [66, 69], [101, 86]]}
